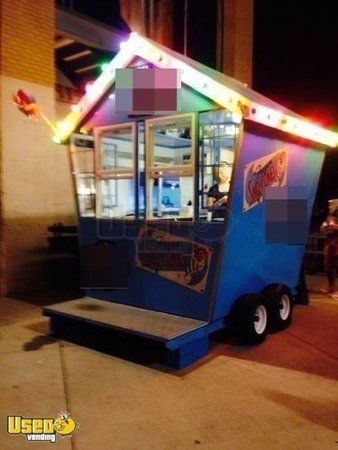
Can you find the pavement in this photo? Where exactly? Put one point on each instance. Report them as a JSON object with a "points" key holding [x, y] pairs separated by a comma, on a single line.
{"points": [[282, 394]]}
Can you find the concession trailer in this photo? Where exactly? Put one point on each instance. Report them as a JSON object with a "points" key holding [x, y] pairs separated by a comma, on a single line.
{"points": [[191, 221]]}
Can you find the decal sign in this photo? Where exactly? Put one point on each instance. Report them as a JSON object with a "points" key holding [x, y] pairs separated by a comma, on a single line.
{"points": [[269, 171], [173, 257], [42, 429]]}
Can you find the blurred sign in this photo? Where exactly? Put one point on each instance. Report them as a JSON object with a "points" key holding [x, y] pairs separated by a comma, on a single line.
{"points": [[269, 171], [172, 257]]}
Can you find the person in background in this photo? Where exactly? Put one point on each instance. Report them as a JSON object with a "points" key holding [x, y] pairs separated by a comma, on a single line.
{"points": [[218, 193], [330, 227]]}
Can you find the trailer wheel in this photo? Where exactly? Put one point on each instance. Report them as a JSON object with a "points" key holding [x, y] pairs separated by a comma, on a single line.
{"points": [[279, 302], [250, 318]]}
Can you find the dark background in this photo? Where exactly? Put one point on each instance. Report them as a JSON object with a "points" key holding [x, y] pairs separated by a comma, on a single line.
{"points": [[295, 56], [295, 63]]}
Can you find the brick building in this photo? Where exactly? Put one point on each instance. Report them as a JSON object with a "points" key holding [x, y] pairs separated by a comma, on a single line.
{"points": [[50, 51]]}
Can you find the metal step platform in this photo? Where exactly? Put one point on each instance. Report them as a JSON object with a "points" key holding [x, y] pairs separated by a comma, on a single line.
{"points": [[184, 339]]}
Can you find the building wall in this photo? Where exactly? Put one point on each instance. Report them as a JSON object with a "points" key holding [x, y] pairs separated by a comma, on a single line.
{"points": [[234, 30], [27, 36], [36, 188], [139, 19], [236, 39]]}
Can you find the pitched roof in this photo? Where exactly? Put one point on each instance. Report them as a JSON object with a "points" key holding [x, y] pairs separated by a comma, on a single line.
{"points": [[228, 92]]}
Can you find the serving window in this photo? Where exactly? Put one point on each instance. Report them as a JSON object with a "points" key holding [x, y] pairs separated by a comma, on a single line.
{"points": [[170, 159], [218, 136], [82, 163], [147, 169], [115, 171]]}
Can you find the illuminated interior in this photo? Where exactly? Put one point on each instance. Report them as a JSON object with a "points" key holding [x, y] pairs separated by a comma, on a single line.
{"points": [[217, 144], [145, 169], [166, 168], [170, 157]]}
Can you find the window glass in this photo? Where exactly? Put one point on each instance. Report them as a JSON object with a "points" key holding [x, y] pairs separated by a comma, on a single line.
{"points": [[172, 198], [115, 147], [170, 142], [86, 192], [117, 198], [170, 167], [82, 162], [218, 139]]}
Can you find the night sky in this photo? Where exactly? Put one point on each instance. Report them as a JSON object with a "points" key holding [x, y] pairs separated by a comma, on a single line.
{"points": [[296, 64], [295, 56]]}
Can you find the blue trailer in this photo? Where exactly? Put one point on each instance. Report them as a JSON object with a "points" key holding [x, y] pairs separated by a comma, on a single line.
{"points": [[188, 222]]}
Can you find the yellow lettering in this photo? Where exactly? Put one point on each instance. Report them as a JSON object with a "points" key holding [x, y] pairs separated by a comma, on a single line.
{"points": [[26, 426], [18, 424], [37, 426], [14, 424], [48, 426]]}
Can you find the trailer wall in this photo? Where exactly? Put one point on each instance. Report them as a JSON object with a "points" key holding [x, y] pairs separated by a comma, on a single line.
{"points": [[250, 262]]}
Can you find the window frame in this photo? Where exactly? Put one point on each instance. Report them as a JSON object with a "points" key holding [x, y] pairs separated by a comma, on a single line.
{"points": [[114, 174], [234, 167], [78, 174], [151, 171]]}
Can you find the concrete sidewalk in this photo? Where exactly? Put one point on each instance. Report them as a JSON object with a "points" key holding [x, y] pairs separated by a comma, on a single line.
{"points": [[282, 394]]}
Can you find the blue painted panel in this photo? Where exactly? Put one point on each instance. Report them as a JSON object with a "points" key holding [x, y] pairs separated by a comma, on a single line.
{"points": [[249, 263], [147, 289]]}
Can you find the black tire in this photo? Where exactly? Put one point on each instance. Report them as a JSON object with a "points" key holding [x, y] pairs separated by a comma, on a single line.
{"points": [[279, 302], [244, 316]]}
